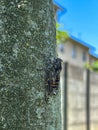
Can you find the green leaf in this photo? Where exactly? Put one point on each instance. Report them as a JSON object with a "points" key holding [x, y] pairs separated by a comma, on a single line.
{"points": [[61, 36]]}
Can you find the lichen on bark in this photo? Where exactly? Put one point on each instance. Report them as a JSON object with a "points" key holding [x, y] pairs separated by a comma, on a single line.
{"points": [[27, 40]]}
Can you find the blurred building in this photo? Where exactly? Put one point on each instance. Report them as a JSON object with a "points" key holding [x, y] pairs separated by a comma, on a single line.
{"points": [[75, 84], [76, 52], [92, 58], [59, 10]]}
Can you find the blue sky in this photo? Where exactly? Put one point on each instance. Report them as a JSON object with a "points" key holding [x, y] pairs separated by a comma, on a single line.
{"points": [[81, 19]]}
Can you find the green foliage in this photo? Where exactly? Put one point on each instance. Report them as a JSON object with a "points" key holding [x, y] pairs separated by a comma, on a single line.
{"points": [[61, 36], [93, 67], [88, 66]]}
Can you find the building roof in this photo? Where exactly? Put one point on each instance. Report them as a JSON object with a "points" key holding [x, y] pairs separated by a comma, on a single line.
{"points": [[92, 53], [61, 9], [59, 6], [92, 49], [82, 42]]}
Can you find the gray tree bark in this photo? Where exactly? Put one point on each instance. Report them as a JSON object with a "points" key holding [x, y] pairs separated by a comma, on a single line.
{"points": [[27, 42]]}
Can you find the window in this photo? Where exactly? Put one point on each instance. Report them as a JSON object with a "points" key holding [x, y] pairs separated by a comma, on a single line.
{"points": [[74, 52], [61, 47], [84, 56]]}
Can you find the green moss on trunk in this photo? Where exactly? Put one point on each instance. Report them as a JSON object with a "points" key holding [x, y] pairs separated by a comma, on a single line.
{"points": [[27, 42]]}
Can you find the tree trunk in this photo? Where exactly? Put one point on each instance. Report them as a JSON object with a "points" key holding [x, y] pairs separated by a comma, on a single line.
{"points": [[27, 43]]}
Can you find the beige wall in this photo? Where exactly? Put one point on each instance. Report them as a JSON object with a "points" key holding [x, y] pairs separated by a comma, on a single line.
{"points": [[92, 59], [76, 103], [94, 100], [67, 54], [76, 98]]}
